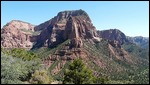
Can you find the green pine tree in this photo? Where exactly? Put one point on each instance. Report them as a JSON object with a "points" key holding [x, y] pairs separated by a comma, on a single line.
{"points": [[78, 73]]}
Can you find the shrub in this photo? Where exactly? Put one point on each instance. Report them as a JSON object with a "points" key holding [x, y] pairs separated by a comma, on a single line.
{"points": [[14, 70], [40, 77]]}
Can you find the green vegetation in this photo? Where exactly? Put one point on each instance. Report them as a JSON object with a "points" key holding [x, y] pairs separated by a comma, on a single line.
{"points": [[78, 73], [101, 80], [15, 70], [40, 77], [44, 52], [136, 50], [142, 77], [25, 30], [52, 66], [30, 31], [21, 53], [60, 74]]}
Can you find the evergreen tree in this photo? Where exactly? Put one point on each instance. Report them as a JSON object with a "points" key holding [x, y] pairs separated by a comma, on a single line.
{"points": [[78, 73]]}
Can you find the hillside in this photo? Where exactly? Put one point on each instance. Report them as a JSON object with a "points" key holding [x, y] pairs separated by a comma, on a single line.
{"points": [[140, 41]]}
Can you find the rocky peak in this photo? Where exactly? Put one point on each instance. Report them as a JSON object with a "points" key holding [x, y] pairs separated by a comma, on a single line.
{"points": [[78, 26], [61, 19], [17, 24], [67, 14], [16, 34], [74, 25], [113, 34]]}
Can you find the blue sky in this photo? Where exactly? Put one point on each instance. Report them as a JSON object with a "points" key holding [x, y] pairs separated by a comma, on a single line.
{"points": [[132, 18]]}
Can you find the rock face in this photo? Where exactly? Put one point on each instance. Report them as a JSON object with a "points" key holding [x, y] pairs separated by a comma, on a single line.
{"points": [[16, 34], [113, 34], [78, 28], [74, 25], [115, 44], [61, 19]]}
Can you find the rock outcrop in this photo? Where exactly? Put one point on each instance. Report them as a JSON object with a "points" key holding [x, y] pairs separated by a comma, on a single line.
{"points": [[16, 34], [113, 34], [115, 44], [78, 28]]}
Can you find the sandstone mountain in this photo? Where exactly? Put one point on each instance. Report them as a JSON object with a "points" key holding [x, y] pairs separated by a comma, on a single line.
{"points": [[113, 34], [71, 35], [74, 25], [16, 34]]}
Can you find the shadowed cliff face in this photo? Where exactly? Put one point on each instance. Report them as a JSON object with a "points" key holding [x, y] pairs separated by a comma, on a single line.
{"points": [[75, 25]]}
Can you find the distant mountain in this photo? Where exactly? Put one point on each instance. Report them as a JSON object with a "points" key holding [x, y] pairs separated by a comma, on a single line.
{"points": [[140, 41], [121, 38], [113, 34]]}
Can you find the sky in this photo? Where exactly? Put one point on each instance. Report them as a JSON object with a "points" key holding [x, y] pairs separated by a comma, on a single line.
{"points": [[130, 17]]}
